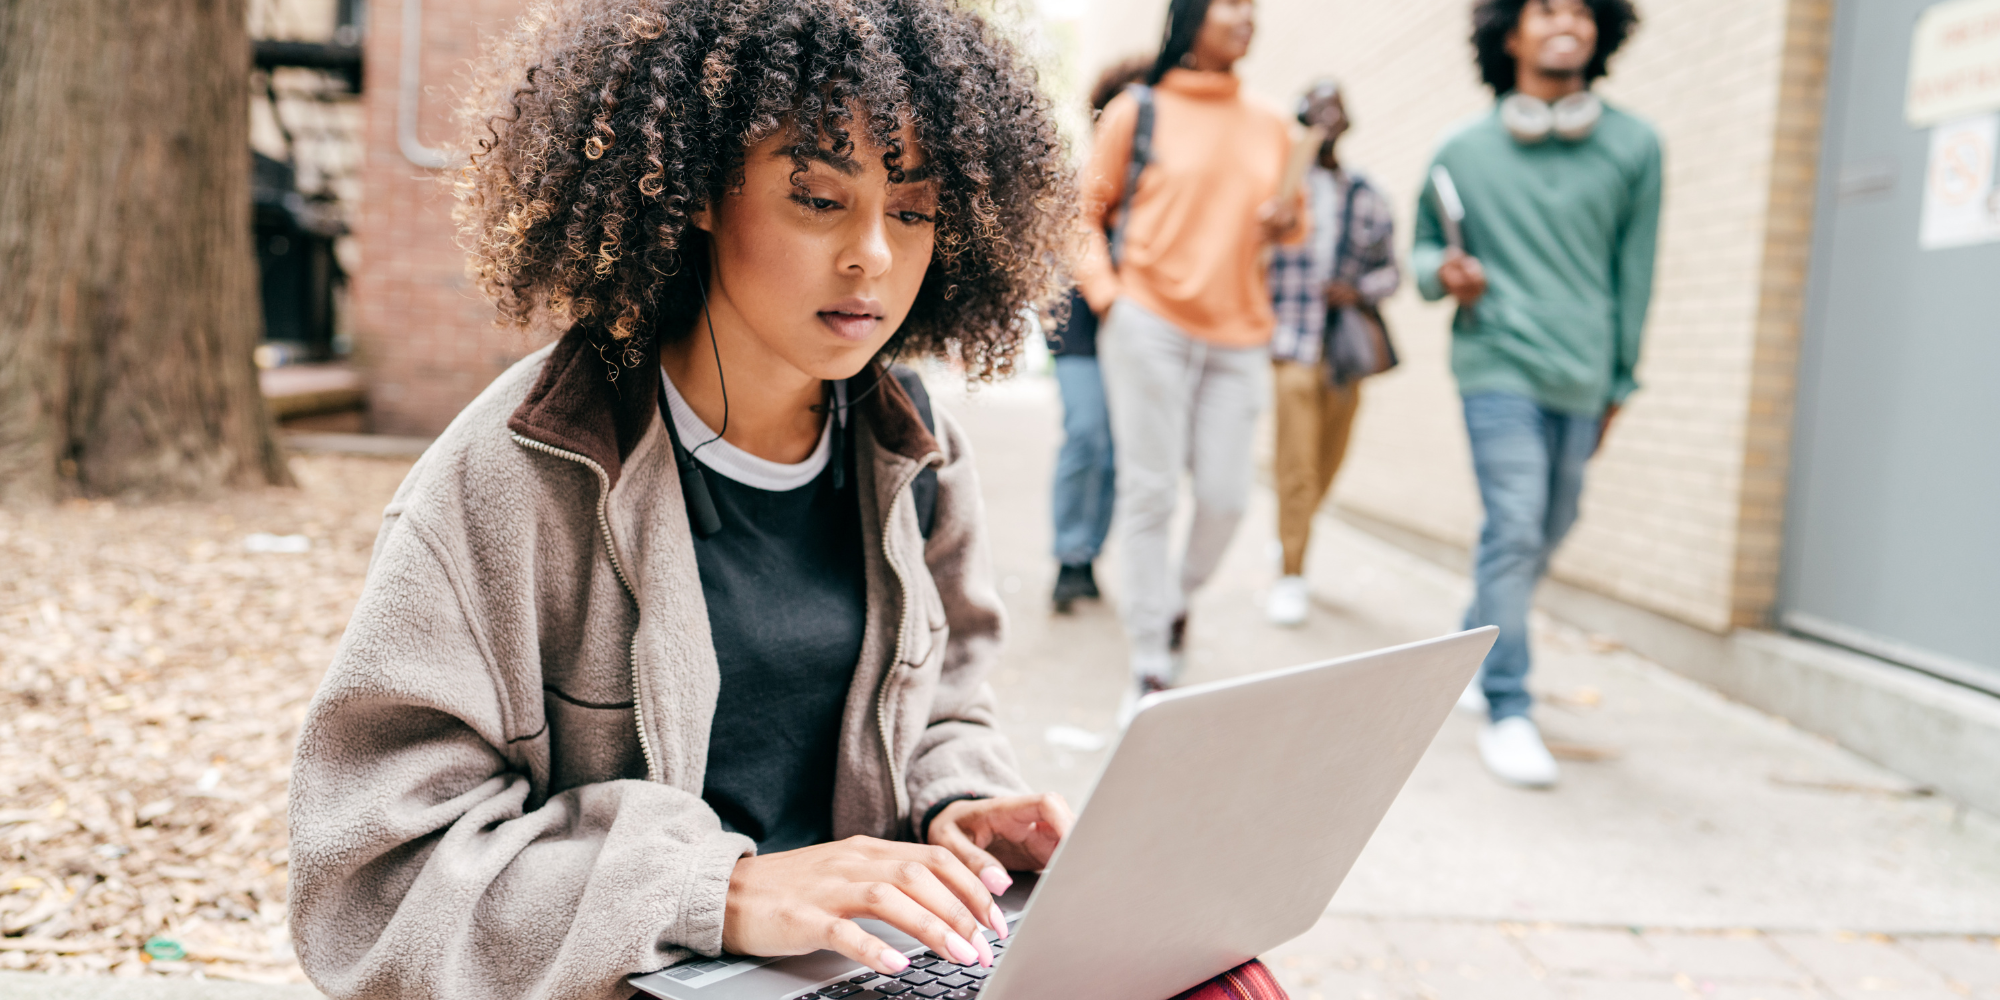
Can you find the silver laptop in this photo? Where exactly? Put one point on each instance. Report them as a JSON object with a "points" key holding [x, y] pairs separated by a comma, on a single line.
{"points": [[1227, 816]]}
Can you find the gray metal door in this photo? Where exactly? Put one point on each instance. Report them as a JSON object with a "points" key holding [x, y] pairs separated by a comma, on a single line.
{"points": [[1893, 534]]}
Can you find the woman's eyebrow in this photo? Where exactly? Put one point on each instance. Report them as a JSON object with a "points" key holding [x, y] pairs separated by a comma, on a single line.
{"points": [[844, 164], [847, 165]]}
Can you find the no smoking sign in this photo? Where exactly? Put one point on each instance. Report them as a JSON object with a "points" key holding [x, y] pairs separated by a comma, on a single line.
{"points": [[1961, 203]]}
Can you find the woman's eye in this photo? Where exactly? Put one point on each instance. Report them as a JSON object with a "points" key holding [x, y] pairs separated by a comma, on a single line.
{"points": [[815, 203], [915, 218]]}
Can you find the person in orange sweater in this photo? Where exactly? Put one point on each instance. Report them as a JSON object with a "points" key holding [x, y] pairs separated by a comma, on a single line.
{"points": [[1180, 285]]}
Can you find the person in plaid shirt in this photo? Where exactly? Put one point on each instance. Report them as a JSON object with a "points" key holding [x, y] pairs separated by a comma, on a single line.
{"points": [[1329, 336]]}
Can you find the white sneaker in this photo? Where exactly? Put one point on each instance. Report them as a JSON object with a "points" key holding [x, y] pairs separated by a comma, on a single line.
{"points": [[1512, 749], [1289, 602], [1473, 698]]}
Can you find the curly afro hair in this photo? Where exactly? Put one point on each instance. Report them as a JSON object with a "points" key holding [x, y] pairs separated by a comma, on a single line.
{"points": [[599, 127], [1494, 20]]}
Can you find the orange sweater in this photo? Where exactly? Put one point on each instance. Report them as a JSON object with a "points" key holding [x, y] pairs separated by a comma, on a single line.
{"points": [[1193, 248]]}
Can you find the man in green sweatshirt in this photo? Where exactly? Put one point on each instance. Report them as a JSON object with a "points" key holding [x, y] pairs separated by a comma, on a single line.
{"points": [[1540, 219]]}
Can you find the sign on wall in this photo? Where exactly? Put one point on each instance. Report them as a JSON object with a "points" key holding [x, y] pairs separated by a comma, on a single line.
{"points": [[1954, 62], [1961, 203]]}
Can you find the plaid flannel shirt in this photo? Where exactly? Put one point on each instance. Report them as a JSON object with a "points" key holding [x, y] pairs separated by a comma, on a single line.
{"points": [[1299, 275]]}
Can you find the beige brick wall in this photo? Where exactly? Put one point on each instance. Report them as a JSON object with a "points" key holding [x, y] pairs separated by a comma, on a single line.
{"points": [[425, 337], [1682, 513]]}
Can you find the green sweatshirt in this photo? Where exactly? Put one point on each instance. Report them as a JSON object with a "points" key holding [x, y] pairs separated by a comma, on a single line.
{"points": [[1565, 231]]}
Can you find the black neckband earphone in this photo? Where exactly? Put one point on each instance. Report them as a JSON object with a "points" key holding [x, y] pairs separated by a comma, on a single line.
{"points": [[703, 517]]}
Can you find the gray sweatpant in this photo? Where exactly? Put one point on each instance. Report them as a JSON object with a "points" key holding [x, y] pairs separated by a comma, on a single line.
{"points": [[1177, 403]]}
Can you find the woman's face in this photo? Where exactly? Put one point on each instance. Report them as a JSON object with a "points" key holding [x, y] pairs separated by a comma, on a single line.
{"points": [[819, 270], [1225, 34]]}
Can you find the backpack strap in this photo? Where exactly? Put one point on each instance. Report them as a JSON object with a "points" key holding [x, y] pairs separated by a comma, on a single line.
{"points": [[1142, 154], [923, 489], [1346, 244]]}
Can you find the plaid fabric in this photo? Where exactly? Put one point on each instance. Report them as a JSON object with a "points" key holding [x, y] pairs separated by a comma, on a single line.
{"points": [[1296, 299], [1249, 981], [1299, 275]]}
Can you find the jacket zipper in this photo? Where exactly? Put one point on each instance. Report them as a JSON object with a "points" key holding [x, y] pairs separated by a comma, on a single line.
{"points": [[611, 549], [897, 791]]}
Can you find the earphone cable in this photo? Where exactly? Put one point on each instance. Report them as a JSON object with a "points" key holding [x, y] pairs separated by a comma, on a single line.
{"points": [[719, 380]]}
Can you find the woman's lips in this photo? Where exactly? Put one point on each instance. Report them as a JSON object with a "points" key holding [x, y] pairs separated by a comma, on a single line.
{"points": [[855, 319], [851, 326]]}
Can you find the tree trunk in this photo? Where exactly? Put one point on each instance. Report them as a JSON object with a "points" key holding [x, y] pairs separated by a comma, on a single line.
{"points": [[128, 284]]}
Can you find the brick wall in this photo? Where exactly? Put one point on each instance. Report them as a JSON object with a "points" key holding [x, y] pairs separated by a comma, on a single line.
{"points": [[1683, 510], [425, 337]]}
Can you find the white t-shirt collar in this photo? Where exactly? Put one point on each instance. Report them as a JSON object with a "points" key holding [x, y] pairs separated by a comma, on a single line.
{"points": [[734, 462]]}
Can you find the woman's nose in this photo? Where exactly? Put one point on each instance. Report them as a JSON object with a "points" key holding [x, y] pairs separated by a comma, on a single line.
{"points": [[867, 249]]}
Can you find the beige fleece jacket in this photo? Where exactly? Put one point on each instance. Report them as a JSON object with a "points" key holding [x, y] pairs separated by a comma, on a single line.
{"points": [[497, 790]]}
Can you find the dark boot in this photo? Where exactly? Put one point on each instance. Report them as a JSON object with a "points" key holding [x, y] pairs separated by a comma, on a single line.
{"points": [[1090, 582], [1073, 582]]}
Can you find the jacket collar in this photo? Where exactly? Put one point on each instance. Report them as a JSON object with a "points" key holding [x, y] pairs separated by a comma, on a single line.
{"points": [[585, 403]]}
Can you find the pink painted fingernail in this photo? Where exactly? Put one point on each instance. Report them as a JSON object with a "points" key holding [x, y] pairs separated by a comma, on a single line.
{"points": [[985, 950], [893, 960], [999, 922], [961, 952], [995, 879]]}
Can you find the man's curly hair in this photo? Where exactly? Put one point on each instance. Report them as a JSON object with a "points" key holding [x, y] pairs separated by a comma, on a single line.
{"points": [[598, 128], [1494, 20]]}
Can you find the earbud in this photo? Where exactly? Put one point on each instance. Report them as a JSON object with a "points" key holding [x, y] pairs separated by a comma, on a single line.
{"points": [[702, 515], [1531, 120]]}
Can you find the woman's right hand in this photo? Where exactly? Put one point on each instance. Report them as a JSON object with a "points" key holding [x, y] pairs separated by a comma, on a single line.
{"points": [[795, 902]]}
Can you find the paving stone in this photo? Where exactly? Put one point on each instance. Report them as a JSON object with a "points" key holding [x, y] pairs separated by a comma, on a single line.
{"points": [[1578, 988], [1615, 953], [1485, 949], [1722, 957], [1886, 990], [1974, 962], [1758, 991], [1445, 984], [1853, 965]]}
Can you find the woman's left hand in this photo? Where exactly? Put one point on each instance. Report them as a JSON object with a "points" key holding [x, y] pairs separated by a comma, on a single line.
{"points": [[994, 835]]}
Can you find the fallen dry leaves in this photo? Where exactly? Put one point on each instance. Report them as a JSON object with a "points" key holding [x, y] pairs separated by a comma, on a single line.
{"points": [[153, 674]]}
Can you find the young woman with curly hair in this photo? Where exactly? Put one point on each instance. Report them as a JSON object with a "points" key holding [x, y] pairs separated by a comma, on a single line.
{"points": [[677, 639]]}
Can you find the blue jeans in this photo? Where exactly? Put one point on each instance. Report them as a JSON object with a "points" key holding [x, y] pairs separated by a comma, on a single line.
{"points": [[1085, 483], [1530, 466]]}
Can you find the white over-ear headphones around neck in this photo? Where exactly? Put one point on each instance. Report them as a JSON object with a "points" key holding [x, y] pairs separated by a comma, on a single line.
{"points": [[1531, 120]]}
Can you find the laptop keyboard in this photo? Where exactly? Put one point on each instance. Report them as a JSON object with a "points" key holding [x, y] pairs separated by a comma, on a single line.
{"points": [[929, 977]]}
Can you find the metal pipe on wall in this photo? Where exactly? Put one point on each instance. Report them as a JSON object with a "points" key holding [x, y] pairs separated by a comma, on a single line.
{"points": [[409, 101]]}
